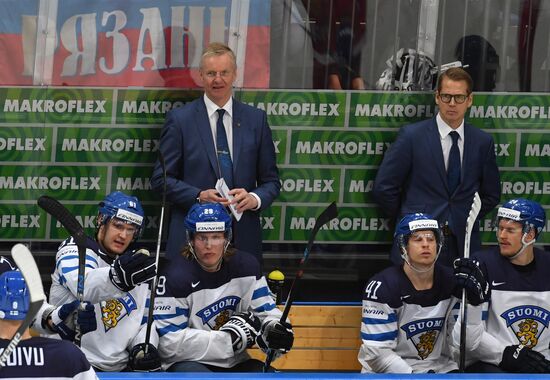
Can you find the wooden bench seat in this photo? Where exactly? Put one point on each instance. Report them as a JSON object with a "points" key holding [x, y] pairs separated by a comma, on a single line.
{"points": [[326, 338]]}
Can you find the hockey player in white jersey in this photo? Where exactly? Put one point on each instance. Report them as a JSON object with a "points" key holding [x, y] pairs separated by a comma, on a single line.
{"points": [[516, 335], [213, 302], [61, 319], [115, 283], [34, 357], [409, 310]]}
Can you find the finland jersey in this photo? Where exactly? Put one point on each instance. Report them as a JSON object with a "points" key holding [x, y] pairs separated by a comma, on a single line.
{"points": [[411, 327], [46, 358], [121, 316], [192, 305], [519, 309]]}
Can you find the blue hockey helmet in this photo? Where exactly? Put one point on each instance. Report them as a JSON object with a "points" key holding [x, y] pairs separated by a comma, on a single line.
{"points": [[530, 214], [14, 295], [416, 222], [208, 217], [121, 206]]}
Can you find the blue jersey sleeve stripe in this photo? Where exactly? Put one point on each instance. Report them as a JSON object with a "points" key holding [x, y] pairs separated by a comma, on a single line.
{"points": [[376, 321], [68, 269], [75, 257], [262, 292], [265, 307], [171, 328], [391, 335], [179, 312]]}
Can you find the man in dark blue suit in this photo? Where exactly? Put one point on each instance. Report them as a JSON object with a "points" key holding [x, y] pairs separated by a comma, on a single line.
{"points": [[437, 165], [196, 158]]}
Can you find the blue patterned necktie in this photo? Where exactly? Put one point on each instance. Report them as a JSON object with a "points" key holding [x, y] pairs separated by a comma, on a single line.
{"points": [[224, 158], [453, 167]]}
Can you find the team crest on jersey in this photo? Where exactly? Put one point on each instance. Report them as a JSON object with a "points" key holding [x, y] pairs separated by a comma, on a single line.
{"points": [[527, 322], [112, 311], [423, 334], [217, 313]]}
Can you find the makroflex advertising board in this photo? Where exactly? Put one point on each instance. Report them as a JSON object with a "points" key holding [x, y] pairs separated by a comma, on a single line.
{"points": [[79, 144]]}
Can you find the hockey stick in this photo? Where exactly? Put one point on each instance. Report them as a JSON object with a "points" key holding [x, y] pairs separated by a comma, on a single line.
{"points": [[27, 266], [326, 216], [472, 216], [153, 285], [73, 227]]}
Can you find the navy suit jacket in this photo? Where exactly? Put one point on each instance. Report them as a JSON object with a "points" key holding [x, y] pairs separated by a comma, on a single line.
{"points": [[187, 146], [412, 178]]}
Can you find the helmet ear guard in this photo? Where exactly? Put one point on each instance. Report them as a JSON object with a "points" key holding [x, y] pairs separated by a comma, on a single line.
{"points": [[14, 296]]}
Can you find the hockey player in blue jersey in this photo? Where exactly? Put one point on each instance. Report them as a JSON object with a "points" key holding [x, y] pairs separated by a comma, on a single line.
{"points": [[61, 319], [516, 334], [34, 357], [409, 310], [115, 283], [213, 302]]}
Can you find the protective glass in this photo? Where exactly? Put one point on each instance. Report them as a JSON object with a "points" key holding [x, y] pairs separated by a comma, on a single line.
{"points": [[122, 227], [210, 240], [419, 236]]}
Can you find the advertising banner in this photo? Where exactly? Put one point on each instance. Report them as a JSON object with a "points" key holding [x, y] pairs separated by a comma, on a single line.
{"points": [[148, 43], [79, 144]]}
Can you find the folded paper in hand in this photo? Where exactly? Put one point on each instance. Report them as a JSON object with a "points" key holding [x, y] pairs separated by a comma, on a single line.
{"points": [[222, 188]]}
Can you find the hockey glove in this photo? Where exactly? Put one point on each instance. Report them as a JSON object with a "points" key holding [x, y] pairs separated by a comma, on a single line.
{"points": [[140, 361], [62, 319], [276, 336], [521, 359], [468, 276], [243, 328], [131, 269]]}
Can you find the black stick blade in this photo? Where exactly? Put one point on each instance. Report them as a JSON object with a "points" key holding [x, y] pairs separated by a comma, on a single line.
{"points": [[64, 216], [326, 216]]}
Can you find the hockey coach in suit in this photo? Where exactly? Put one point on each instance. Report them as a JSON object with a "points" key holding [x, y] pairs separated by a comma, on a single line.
{"points": [[197, 153], [437, 165]]}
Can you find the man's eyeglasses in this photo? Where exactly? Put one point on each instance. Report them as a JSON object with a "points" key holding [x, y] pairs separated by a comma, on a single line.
{"points": [[213, 74], [459, 98], [214, 240]]}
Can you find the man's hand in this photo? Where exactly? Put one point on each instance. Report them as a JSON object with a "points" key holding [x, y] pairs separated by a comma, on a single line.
{"points": [[62, 319], [131, 269], [521, 359], [468, 276], [140, 361], [243, 328], [276, 336], [243, 200], [212, 196]]}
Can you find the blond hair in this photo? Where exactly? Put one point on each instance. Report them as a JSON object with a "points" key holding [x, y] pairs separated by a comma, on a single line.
{"points": [[217, 49]]}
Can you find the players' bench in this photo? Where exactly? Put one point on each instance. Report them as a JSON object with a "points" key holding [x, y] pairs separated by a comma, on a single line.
{"points": [[326, 338]]}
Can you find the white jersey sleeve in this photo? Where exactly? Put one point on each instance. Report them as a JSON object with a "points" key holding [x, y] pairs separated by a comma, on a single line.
{"points": [[379, 332], [97, 285], [179, 342]]}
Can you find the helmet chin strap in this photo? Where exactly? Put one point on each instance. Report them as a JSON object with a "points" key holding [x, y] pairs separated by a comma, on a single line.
{"points": [[405, 257], [524, 244]]}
